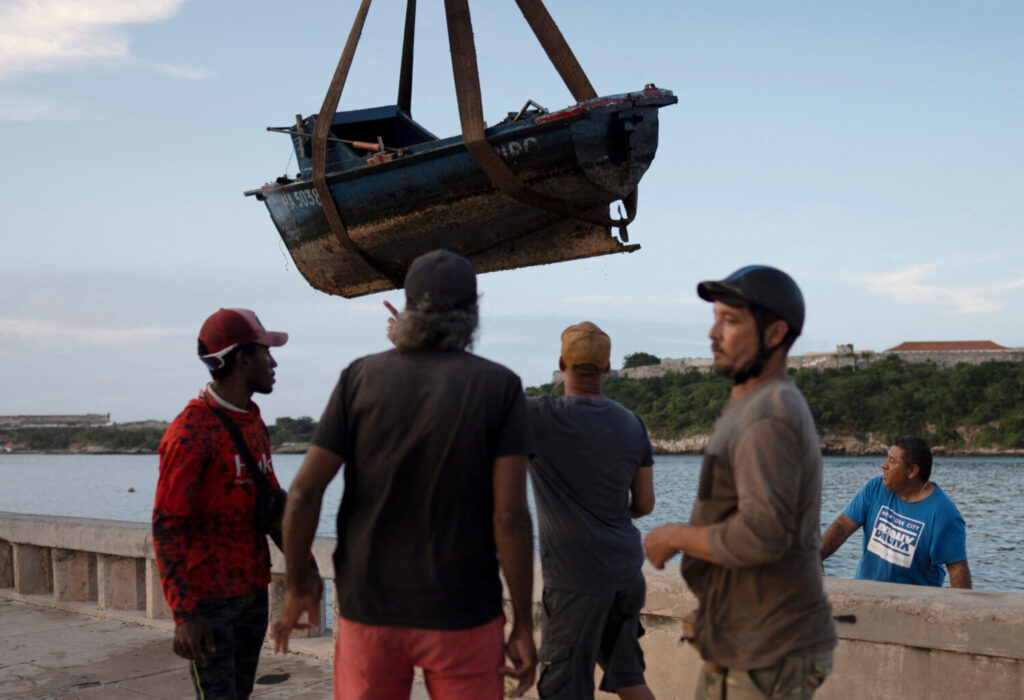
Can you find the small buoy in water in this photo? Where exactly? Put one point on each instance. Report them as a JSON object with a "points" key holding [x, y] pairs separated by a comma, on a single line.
{"points": [[131, 489]]}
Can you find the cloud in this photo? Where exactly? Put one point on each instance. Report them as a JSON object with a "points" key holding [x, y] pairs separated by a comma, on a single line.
{"points": [[24, 109], [46, 34], [18, 332], [176, 71], [909, 286]]}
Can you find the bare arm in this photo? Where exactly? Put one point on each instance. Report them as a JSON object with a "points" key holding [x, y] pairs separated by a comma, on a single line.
{"points": [[513, 539], [837, 533], [959, 574], [641, 492], [301, 516], [663, 543]]}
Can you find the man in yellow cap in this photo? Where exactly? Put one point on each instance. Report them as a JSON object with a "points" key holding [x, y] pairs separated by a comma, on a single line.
{"points": [[591, 474]]}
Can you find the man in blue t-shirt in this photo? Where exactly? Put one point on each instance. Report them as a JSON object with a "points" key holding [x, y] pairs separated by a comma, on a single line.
{"points": [[911, 527]]}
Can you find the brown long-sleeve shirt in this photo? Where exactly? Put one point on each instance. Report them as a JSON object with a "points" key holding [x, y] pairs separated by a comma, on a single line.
{"points": [[760, 493]]}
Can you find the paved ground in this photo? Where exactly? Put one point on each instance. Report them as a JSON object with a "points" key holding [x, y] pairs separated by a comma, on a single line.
{"points": [[51, 653]]}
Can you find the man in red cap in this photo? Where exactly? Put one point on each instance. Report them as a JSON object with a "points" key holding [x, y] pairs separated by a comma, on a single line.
{"points": [[434, 442], [214, 565]]}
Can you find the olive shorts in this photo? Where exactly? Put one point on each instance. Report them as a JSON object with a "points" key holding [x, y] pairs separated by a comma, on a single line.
{"points": [[795, 677]]}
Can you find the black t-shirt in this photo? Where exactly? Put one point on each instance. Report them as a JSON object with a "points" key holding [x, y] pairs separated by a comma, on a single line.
{"points": [[419, 433]]}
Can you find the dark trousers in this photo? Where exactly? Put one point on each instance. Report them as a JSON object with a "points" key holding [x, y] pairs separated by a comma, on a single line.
{"points": [[238, 626]]}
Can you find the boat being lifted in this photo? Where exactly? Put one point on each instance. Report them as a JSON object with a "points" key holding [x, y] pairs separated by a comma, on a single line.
{"points": [[375, 189]]}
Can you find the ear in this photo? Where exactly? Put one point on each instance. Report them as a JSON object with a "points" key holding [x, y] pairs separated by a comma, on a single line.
{"points": [[561, 364], [914, 471], [774, 334], [607, 369]]}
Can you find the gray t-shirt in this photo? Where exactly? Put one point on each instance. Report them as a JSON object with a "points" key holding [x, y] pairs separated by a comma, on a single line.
{"points": [[760, 495], [586, 453]]}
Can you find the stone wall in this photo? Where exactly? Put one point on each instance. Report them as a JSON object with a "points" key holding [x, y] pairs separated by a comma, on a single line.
{"points": [[951, 358], [844, 356], [899, 641], [84, 420]]}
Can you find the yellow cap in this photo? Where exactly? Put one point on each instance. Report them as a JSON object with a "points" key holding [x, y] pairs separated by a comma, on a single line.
{"points": [[586, 349]]}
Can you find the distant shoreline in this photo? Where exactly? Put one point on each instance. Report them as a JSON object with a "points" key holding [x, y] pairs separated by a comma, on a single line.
{"points": [[837, 446], [106, 451], [689, 446]]}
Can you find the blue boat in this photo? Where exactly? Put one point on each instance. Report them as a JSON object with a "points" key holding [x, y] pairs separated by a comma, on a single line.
{"points": [[401, 191]]}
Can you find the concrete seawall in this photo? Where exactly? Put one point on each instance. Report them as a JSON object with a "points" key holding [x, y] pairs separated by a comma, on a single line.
{"points": [[895, 641]]}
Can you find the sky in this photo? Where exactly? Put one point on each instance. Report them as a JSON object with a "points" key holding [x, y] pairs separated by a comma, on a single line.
{"points": [[873, 150]]}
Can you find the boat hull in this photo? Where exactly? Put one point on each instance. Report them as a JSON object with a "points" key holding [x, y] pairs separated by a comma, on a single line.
{"points": [[436, 196]]}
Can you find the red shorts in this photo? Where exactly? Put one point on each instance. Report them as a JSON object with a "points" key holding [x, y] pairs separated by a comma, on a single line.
{"points": [[374, 662]]}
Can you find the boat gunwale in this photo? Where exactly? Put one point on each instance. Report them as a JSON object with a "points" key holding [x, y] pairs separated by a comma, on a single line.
{"points": [[600, 107]]}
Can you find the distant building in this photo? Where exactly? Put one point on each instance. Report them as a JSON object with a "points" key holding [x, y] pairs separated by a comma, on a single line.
{"points": [[949, 353], [84, 420]]}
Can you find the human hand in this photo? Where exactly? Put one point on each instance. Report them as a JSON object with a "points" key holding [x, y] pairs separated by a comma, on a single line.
{"points": [[659, 547], [392, 321], [294, 606], [192, 638], [522, 652]]}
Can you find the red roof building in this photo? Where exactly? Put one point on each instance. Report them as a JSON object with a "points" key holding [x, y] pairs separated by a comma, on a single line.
{"points": [[948, 346]]}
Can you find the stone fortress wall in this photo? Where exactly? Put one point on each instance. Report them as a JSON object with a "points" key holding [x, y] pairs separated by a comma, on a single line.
{"points": [[83, 420], [940, 354]]}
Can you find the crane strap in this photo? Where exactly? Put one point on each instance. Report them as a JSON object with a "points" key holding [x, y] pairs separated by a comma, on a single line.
{"points": [[558, 51], [321, 132], [467, 90]]}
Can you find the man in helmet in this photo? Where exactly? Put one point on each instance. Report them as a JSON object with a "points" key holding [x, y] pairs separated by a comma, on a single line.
{"points": [[750, 551]]}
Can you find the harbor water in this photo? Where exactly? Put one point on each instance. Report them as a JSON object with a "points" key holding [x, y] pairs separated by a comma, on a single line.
{"points": [[986, 489]]}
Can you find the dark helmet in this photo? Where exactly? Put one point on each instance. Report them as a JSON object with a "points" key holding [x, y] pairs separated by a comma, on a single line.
{"points": [[759, 285]]}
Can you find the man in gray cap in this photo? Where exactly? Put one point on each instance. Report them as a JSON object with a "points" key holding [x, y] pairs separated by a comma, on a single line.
{"points": [[434, 442], [763, 623]]}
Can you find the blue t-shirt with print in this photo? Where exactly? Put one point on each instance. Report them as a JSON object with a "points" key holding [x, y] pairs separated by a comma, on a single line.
{"points": [[907, 542]]}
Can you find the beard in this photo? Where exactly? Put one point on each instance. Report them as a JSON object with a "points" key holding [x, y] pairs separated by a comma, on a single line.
{"points": [[723, 366]]}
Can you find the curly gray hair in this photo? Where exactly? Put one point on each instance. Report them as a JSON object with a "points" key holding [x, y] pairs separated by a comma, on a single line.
{"points": [[425, 327]]}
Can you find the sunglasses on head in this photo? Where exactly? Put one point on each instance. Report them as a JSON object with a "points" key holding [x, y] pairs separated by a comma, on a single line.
{"points": [[215, 360]]}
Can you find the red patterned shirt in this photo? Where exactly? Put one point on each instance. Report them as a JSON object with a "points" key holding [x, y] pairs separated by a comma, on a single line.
{"points": [[205, 544]]}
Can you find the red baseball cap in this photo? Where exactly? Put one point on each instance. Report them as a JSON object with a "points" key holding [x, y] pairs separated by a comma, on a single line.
{"points": [[228, 328]]}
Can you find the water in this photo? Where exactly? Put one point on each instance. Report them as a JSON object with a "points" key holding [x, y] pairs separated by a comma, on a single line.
{"points": [[986, 489]]}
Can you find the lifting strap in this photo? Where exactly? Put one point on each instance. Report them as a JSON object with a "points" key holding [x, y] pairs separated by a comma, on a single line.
{"points": [[405, 77], [467, 90], [319, 155], [558, 51]]}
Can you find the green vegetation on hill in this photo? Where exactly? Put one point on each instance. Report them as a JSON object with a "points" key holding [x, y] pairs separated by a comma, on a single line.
{"points": [[131, 439], [107, 439], [968, 406], [291, 430], [639, 359]]}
